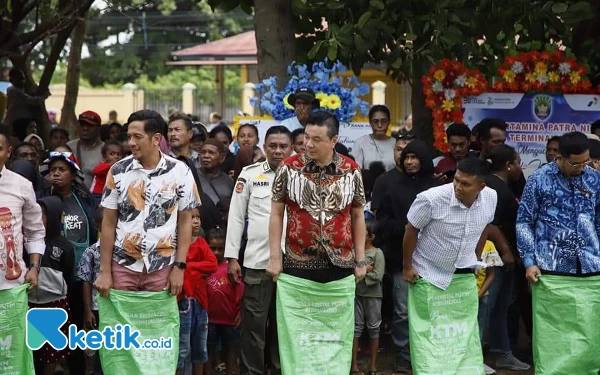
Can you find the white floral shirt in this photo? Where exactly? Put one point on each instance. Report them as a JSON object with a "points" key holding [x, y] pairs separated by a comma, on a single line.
{"points": [[148, 202]]}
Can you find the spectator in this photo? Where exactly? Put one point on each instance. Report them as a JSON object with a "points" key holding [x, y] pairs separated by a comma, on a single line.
{"points": [[552, 149], [398, 189], [377, 146], [505, 168], [303, 101], [198, 138], [594, 147], [595, 128], [459, 139], [112, 152], [56, 275], [216, 184], [114, 129], [58, 137], [179, 135], [113, 118], [224, 299], [251, 209], [223, 134], [247, 135], [214, 119], [88, 147], [298, 138], [194, 301]]}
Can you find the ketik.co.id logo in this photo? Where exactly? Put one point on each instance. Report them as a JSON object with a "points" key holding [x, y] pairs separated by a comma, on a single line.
{"points": [[43, 326]]}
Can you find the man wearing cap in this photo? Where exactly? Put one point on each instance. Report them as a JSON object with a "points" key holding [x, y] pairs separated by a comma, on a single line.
{"points": [[303, 101], [88, 147]]}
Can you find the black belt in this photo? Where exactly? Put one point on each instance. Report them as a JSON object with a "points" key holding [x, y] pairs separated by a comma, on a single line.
{"points": [[462, 271]]}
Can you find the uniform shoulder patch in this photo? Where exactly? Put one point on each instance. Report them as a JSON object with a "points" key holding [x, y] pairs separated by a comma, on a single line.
{"points": [[240, 185]]}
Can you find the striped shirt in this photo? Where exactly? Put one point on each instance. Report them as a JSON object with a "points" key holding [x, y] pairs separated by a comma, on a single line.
{"points": [[449, 232]]}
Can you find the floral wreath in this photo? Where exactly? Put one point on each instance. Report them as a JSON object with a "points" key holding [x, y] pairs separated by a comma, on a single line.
{"points": [[444, 87], [341, 98], [549, 72]]}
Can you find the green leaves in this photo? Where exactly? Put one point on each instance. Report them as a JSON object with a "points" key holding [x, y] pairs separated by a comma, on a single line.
{"points": [[560, 8], [377, 4]]}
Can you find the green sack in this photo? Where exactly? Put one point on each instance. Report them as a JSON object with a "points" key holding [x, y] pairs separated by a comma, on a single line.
{"points": [[15, 356], [154, 315], [566, 329], [443, 328], [315, 325]]}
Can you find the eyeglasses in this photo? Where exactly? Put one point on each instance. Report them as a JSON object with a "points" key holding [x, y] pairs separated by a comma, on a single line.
{"points": [[54, 154], [578, 165], [404, 136]]}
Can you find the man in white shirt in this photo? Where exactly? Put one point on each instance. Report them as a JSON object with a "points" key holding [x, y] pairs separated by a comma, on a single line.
{"points": [[252, 199], [446, 225], [303, 101], [20, 225]]}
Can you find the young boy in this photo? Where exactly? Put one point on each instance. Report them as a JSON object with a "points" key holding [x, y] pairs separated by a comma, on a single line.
{"points": [[369, 297], [112, 152], [224, 307], [55, 273], [87, 271], [193, 301]]}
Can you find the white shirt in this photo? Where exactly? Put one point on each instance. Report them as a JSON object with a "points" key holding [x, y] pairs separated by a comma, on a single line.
{"points": [[20, 225], [251, 198], [367, 149], [449, 232], [148, 202], [292, 123]]}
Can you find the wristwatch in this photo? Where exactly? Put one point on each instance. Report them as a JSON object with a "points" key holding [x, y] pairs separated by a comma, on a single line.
{"points": [[36, 266], [362, 263], [180, 265]]}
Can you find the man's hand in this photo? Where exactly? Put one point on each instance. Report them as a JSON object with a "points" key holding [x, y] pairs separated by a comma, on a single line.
{"points": [[532, 273], [32, 278], [410, 275], [234, 271], [90, 320], [440, 177], [175, 282], [274, 268], [370, 268], [359, 273], [104, 283]]}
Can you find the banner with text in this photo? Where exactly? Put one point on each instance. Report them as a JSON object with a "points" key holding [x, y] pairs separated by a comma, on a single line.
{"points": [[349, 131], [533, 118]]}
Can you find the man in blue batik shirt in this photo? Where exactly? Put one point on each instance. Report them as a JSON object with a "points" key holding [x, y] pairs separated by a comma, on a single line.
{"points": [[558, 224]]}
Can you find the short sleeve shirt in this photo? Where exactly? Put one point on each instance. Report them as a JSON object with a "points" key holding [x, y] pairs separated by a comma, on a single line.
{"points": [[148, 202], [318, 203]]}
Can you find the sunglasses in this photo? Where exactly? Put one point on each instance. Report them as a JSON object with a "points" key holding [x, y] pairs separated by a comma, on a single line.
{"points": [[407, 137]]}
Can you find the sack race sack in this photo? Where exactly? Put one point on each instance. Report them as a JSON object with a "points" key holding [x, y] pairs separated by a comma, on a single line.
{"points": [[566, 333], [155, 315], [315, 325], [15, 356], [443, 328]]}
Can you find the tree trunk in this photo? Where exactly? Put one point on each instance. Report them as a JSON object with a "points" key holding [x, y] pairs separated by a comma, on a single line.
{"points": [[422, 117], [275, 38], [68, 117]]}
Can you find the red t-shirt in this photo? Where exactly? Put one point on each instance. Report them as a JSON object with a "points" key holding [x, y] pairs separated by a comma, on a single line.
{"points": [[200, 262], [99, 172], [225, 298]]}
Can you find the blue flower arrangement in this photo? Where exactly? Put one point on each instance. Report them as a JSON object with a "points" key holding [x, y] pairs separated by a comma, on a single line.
{"points": [[341, 98]]}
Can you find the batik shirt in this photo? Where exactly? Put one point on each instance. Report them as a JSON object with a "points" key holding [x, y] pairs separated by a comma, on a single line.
{"points": [[318, 203], [148, 202], [559, 221], [88, 270]]}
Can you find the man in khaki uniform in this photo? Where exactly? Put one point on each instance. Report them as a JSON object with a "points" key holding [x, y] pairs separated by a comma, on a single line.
{"points": [[252, 200]]}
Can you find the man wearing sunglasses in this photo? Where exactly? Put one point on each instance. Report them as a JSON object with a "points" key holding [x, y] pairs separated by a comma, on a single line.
{"points": [[88, 147], [558, 227]]}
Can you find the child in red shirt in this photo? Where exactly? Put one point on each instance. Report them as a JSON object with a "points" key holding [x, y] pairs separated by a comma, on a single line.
{"points": [[112, 152], [193, 301], [224, 307]]}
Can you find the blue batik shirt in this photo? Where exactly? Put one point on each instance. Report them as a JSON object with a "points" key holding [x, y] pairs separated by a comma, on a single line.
{"points": [[559, 221]]}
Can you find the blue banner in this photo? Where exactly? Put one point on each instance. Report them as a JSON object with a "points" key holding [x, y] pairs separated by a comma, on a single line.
{"points": [[533, 118]]}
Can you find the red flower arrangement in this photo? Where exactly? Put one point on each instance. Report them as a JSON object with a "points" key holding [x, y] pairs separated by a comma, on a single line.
{"points": [[550, 72], [444, 88]]}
